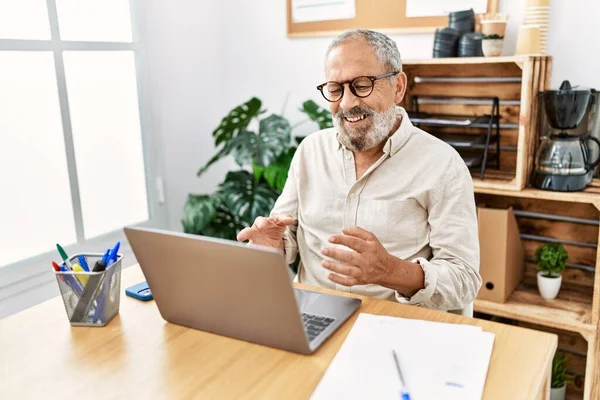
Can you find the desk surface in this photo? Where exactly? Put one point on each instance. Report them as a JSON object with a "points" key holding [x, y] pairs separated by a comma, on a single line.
{"points": [[139, 355]]}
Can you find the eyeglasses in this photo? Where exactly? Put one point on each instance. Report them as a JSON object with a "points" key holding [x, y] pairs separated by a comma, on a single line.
{"points": [[361, 86]]}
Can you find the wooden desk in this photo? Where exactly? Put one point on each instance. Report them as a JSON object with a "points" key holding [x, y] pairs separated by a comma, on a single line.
{"points": [[139, 355]]}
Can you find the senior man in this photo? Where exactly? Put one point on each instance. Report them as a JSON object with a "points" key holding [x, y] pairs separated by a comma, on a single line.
{"points": [[376, 206]]}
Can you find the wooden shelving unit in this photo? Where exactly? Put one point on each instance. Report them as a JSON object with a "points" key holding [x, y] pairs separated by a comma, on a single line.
{"points": [[571, 218], [577, 308]]}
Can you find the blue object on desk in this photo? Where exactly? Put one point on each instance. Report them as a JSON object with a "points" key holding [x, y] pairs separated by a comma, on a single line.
{"points": [[140, 291]]}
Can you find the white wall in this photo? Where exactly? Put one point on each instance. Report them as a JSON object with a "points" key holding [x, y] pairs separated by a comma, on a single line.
{"points": [[246, 49], [185, 57]]}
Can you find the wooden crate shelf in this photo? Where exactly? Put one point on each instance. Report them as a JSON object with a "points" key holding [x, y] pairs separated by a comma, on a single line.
{"points": [[569, 312], [431, 82]]}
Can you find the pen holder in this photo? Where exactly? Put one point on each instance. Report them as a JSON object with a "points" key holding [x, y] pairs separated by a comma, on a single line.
{"points": [[91, 298]]}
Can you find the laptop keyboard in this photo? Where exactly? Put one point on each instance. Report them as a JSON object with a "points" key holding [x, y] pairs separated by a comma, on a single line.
{"points": [[314, 325]]}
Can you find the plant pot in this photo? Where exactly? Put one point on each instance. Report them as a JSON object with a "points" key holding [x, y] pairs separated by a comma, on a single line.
{"points": [[558, 393], [549, 286], [492, 47], [491, 27]]}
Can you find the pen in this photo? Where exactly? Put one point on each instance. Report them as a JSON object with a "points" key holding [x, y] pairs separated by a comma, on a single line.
{"points": [[69, 279], [404, 392], [63, 255], [83, 263], [113, 253]]}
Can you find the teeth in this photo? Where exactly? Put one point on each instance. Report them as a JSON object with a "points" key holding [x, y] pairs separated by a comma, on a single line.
{"points": [[356, 119]]}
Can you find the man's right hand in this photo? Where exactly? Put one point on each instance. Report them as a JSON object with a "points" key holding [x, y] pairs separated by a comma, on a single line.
{"points": [[267, 231]]}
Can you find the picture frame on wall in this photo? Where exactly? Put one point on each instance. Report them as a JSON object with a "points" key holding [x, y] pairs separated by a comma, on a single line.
{"points": [[306, 18]]}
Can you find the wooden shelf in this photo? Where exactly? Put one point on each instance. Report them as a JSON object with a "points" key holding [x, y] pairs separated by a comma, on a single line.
{"points": [[590, 195], [471, 60], [570, 311]]}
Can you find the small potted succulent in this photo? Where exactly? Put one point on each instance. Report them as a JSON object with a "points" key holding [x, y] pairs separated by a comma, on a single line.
{"points": [[491, 45], [551, 259], [560, 378]]}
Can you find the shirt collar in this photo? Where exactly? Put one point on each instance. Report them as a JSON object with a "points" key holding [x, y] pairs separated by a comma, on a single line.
{"points": [[395, 142]]}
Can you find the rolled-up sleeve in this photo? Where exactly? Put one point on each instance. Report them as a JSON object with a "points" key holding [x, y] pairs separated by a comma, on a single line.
{"points": [[452, 278], [287, 204]]}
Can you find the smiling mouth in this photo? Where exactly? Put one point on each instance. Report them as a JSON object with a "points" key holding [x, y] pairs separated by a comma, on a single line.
{"points": [[357, 118]]}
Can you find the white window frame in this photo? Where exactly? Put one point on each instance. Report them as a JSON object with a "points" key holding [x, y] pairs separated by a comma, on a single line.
{"points": [[27, 274]]}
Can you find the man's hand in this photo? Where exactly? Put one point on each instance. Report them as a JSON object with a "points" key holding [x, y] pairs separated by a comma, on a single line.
{"points": [[368, 263], [267, 231]]}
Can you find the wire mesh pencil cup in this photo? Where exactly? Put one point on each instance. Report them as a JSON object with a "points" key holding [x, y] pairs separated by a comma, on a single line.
{"points": [[91, 298]]}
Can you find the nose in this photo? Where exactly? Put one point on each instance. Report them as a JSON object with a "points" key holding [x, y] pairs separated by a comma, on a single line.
{"points": [[348, 100]]}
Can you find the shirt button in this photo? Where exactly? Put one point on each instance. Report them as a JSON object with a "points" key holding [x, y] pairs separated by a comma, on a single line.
{"points": [[348, 156], [352, 195]]}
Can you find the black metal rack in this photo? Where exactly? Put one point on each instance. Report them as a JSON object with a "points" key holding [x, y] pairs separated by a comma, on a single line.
{"points": [[464, 141]]}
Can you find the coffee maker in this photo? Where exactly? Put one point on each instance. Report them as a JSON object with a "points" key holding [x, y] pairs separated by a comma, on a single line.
{"points": [[569, 148]]}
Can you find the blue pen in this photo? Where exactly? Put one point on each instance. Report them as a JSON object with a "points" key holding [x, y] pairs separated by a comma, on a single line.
{"points": [[105, 256], [404, 395], [113, 253], [83, 263]]}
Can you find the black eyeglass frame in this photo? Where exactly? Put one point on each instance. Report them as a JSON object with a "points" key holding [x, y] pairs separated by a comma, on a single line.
{"points": [[352, 89]]}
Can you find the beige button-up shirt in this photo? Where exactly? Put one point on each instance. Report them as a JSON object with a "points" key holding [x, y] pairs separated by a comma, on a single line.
{"points": [[417, 199]]}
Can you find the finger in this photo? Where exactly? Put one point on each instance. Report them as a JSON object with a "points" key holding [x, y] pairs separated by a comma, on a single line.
{"points": [[342, 269], [352, 242], [358, 232], [284, 220], [261, 223], [342, 280], [348, 257], [246, 234]]}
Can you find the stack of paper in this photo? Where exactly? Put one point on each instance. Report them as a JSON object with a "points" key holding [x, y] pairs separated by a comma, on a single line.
{"points": [[438, 361]]}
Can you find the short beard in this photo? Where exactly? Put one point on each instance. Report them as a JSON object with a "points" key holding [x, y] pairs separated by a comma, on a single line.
{"points": [[367, 137]]}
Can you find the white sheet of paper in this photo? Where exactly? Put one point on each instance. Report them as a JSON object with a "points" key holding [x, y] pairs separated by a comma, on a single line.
{"points": [[437, 8], [322, 10], [431, 355]]}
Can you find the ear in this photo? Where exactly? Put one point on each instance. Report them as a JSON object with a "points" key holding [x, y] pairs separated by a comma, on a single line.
{"points": [[401, 83]]}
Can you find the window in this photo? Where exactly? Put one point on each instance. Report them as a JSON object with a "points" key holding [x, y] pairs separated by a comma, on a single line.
{"points": [[73, 165]]}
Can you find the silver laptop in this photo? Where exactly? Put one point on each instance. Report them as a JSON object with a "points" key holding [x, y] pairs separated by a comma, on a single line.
{"points": [[236, 290]]}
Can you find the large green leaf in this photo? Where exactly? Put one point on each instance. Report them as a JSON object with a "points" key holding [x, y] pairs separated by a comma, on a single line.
{"points": [[225, 225], [320, 115], [237, 120], [230, 127], [246, 197], [276, 173], [199, 211], [264, 147]]}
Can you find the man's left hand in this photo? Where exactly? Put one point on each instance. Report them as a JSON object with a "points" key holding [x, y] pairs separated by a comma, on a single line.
{"points": [[368, 263]]}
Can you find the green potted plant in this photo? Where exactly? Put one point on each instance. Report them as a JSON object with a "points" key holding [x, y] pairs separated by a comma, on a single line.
{"points": [[263, 154], [551, 259], [560, 377]]}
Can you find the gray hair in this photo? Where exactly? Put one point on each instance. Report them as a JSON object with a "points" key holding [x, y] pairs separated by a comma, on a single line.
{"points": [[384, 48]]}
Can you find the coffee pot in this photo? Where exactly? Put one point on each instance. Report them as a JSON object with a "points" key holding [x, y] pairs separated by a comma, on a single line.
{"points": [[569, 149]]}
